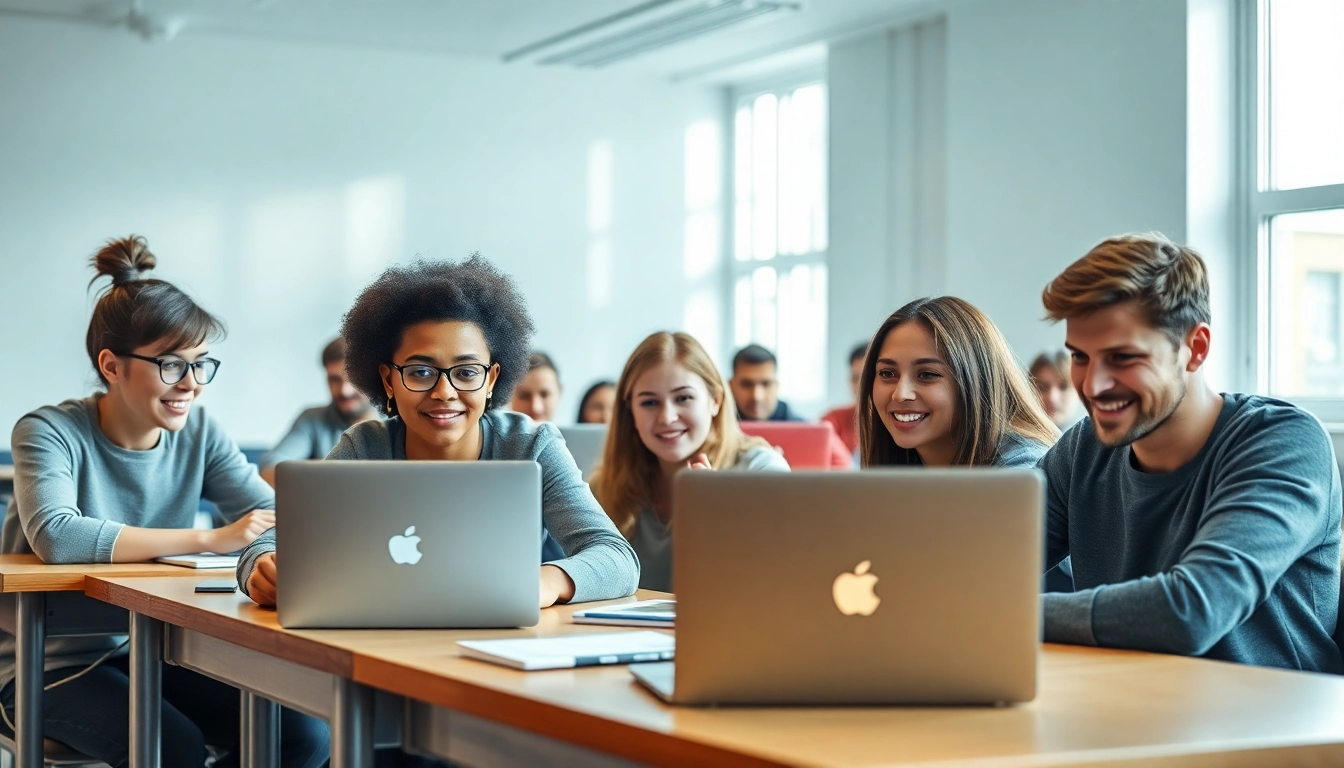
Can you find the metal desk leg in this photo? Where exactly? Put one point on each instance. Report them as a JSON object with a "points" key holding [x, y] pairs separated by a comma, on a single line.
{"points": [[259, 731], [30, 655], [146, 690], [351, 725]]}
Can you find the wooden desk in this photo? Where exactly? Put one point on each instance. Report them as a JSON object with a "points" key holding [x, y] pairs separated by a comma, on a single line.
{"points": [[1096, 707], [25, 585]]}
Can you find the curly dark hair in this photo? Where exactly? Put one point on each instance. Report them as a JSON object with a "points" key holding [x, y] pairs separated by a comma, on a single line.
{"points": [[474, 291]]}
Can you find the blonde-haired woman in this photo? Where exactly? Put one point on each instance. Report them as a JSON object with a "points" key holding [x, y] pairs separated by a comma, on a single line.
{"points": [[669, 416]]}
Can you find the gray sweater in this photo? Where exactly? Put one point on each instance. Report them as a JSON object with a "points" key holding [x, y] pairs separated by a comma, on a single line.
{"points": [[313, 435], [1234, 556], [74, 491], [652, 538], [598, 558]]}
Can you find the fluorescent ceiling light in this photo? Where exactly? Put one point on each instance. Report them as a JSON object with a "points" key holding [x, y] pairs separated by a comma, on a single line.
{"points": [[643, 28]]}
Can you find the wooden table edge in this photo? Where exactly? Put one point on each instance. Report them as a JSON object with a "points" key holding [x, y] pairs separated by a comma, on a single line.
{"points": [[277, 643], [558, 722]]}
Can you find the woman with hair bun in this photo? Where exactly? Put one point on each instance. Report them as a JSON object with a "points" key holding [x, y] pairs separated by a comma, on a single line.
{"points": [[118, 477]]}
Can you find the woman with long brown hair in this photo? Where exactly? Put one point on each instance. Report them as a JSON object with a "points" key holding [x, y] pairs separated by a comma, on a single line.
{"points": [[941, 387], [670, 415]]}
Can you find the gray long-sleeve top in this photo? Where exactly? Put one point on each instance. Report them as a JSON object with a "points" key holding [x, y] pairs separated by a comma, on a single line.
{"points": [[597, 557], [1234, 556], [74, 490]]}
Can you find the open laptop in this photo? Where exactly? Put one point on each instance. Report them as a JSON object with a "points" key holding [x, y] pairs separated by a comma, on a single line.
{"points": [[901, 586], [375, 544], [585, 443], [805, 445]]}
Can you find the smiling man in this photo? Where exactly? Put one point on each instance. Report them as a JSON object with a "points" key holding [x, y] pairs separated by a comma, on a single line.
{"points": [[317, 430], [1198, 523]]}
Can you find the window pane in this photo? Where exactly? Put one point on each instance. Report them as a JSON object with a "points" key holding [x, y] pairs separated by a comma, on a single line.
{"points": [[802, 333], [764, 306], [742, 184], [1306, 271], [764, 175], [1306, 92]]}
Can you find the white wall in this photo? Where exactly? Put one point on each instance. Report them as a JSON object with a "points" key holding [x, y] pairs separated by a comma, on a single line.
{"points": [[274, 180], [1066, 121]]}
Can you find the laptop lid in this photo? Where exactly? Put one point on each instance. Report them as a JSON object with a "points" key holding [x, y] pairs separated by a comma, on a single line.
{"points": [[901, 586], [804, 445], [585, 443], [380, 544]]}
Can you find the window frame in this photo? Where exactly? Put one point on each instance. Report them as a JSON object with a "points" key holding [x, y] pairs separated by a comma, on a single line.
{"points": [[1260, 203], [734, 270]]}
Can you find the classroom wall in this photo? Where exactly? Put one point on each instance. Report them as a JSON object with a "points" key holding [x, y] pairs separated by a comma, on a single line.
{"points": [[1003, 140], [274, 180]]}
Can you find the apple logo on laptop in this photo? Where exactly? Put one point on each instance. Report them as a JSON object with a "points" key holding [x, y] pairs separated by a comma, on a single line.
{"points": [[405, 549], [853, 592]]}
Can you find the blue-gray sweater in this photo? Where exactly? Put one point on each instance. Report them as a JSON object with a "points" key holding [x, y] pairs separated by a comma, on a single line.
{"points": [[1234, 556], [75, 490], [597, 557]]}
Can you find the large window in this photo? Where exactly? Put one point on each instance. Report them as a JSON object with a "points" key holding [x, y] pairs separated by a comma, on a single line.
{"points": [[779, 233], [1295, 130]]}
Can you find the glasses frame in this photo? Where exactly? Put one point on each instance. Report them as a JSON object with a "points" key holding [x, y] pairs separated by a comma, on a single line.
{"points": [[196, 368], [443, 372]]}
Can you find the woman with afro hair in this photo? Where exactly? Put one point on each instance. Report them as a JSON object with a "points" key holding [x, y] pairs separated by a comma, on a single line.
{"points": [[438, 347]]}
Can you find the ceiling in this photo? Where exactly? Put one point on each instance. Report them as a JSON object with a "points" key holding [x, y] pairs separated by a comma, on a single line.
{"points": [[477, 28]]}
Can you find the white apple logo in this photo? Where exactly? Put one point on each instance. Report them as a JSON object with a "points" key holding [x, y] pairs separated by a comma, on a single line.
{"points": [[405, 549], [853, 592]]}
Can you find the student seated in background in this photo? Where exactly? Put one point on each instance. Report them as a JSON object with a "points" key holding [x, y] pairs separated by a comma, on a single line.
{"points": [[317, 430], [944, 389], [670, 416], [598, 403], [118, 477], [539, 391], [755, 386], [1198, 523], [438, 346], [1050, 373], [845, 418]]}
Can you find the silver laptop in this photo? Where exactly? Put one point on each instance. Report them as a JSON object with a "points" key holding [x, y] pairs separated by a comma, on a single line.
{"points": [[902, 586], [585, 443], [374, 544]]}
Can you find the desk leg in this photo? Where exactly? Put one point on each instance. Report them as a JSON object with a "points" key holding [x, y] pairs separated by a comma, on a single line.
{"points": [[30, 655], [352, 725], [146, 690], [259, 731]]}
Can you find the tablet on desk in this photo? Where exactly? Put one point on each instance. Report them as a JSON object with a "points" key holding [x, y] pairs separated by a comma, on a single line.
{"points": [[204, 562]]}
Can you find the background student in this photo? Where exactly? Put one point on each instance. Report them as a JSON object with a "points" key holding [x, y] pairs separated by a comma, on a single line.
{"points": [[317, 430], [1198, 523], [598, 403], [845, 418], [438, 346], [118, 477], [944, 389], [670, 415], [539, 391], [1050, 373], [755, 386]]}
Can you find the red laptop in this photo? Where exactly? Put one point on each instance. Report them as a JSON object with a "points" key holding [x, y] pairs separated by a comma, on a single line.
{"points": [[806, 445]]}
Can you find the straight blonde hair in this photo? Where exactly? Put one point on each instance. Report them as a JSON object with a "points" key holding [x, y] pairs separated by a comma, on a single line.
{"points": [[629, 476], [992, 393]]}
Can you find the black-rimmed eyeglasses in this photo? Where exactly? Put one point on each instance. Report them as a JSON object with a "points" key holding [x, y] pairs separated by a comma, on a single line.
{"points": [[174, 369], [467, 377]]}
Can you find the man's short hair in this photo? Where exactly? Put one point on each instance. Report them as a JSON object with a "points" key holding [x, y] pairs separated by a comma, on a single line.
{"points": [[1169, 282], [334, 352], [754, 354], [541, 360], [859, 352]]}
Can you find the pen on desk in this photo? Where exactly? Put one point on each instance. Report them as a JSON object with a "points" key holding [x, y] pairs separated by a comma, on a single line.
{"points": [[622, 658]]}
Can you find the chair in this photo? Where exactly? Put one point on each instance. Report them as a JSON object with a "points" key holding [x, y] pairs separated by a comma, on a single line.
{"points": [[54, 753]]}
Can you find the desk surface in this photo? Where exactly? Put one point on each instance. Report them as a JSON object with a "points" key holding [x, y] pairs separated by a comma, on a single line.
{"points": [[26, 573], [1095, 706]]}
